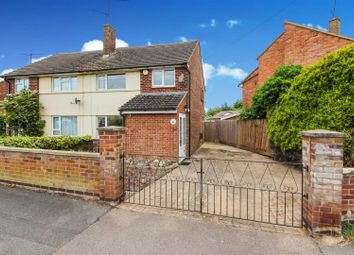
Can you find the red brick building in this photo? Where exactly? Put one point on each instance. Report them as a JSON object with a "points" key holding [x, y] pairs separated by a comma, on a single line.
{"points": [[298, 44], [3, 90]]}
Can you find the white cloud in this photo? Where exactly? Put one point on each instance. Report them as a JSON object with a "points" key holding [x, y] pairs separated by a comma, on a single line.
{"points": [[232, 22], [9, 70], [316, 26], [149, 43], [98, 45], [34, 60], [222, 71], [212, 24], [183, 39]]}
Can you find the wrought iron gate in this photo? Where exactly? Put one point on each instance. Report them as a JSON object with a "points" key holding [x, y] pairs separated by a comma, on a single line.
{"points": [[261, 191]]}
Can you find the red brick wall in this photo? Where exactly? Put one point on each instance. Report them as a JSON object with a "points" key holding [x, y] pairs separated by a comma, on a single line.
{"points": [[34, 84], [197, 99], [3, 90], [146, 82], [296, 45], [57, 170], [348, 196], [249, 87], [153, 134]]}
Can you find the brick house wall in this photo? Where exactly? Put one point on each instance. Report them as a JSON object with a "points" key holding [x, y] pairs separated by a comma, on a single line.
{"points": [[249, 87], [348, 196], [297, 45], [3, 90], [153, 134]]}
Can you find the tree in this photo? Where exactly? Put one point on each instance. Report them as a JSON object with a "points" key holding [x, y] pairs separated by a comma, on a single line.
{"points": [[238, 104], [224, 107], [266, 97], [2, 124], [321, 97], [22, 114]]}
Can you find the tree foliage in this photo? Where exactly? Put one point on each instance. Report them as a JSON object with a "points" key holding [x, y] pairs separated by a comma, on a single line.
{"points": [[22, 114], [2, 124], [321, 97], [266, 97]]}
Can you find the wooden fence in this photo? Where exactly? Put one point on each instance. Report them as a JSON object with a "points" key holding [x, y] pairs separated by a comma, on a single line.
{"points": [[245, 134]]}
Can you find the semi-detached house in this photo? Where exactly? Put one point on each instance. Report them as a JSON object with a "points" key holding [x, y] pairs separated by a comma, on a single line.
{"points": [[156, 92]]}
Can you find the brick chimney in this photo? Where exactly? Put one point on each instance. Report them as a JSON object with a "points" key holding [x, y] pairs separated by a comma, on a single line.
{"points": [[109, 40], [334, 26]]}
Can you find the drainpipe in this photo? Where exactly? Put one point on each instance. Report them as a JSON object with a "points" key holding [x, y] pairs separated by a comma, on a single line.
{"points": [[8, 86], [189, 111]]}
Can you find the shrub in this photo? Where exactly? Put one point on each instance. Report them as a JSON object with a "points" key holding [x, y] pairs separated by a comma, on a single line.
{"points": [[348, 231], [2, 124], [266, 97], [77, 143], [22, 114], [321, 97]]}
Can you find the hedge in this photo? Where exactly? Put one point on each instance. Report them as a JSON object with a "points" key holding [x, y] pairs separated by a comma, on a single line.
{"points": [[2, 124], [321, 97], [77, 143]]}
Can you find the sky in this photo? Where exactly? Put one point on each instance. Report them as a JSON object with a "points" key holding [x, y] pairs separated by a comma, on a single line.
{"points": [[232, 33]]}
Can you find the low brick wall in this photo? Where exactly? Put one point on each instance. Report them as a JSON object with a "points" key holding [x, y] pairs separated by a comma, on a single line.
{"points": [[61, 170], [348, 195]]}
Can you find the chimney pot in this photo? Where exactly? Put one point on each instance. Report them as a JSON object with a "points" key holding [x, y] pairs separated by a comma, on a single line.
{"points": [[109, 40], [334, 26]]}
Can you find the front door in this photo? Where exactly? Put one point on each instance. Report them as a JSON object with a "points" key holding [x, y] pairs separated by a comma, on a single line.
{"points": [[182, 136]]}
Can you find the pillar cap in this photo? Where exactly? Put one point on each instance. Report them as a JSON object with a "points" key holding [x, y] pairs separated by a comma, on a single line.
{"points": [[322, 133], [111, 128]]}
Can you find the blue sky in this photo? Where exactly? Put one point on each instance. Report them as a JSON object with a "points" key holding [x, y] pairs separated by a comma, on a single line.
{"points": [[232, 33]]}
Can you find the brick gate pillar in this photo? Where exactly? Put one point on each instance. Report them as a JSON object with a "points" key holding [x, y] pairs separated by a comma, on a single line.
{"points": [[111, 148], [322, 155]]}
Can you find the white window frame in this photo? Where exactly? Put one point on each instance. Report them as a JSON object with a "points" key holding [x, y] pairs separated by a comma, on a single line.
{"points": [[61, 87], [106, 81], [60, 131], [163, 78], [105, 119], [25, 84]]}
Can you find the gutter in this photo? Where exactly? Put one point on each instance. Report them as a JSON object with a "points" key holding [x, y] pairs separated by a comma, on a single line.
{"points": [[189, 111]]}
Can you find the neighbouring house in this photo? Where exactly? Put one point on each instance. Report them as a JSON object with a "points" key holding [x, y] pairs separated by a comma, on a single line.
{"points": [[3, 90], [156, 92], [298, 44], [226, 115]]}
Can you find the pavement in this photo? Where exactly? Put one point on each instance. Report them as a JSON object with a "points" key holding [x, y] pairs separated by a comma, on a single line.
{"points": [[40, 223]]}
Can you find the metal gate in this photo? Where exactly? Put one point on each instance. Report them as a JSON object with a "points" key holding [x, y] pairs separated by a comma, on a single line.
{"points": [[260, 191]]}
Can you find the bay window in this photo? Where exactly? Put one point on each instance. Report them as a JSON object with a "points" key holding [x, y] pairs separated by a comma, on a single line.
{"points": [[65, 125], [163, 78], [64, 84]]}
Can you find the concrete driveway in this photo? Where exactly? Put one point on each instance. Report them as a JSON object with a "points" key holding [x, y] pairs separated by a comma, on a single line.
{"points": [[122, 231], [40, 223]]}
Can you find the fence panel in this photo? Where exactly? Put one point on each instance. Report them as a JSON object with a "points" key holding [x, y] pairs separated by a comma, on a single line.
{"points": [[246, 134]]}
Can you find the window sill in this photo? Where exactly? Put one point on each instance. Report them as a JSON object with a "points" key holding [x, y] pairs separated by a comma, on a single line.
{"points": [[163, 87]]}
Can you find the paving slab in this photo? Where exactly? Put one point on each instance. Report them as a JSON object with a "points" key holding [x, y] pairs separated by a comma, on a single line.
{"points": [[39, 222]]}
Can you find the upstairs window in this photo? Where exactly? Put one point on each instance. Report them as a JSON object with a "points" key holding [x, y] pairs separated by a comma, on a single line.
{"points": [[21, 84], [64, 84], [114, 81], [163, 78]]}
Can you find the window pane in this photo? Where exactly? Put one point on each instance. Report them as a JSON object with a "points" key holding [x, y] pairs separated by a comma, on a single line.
{"points": [[26, 83], [101, 121], [19, 85], [56, 132], [73, 83], [56, 123], [169, 78], [69, 126], [56, 84], [115, 81], [65, 84], [114, 121], [101, 82], [157, 77]]}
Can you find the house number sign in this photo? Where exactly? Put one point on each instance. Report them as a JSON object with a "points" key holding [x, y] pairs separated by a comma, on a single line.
{"points": [[173, 121]]}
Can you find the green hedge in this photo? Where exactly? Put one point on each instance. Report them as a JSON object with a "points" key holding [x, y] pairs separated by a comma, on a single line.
{"points": [[321, 97], [2, 124], [78, 143]]}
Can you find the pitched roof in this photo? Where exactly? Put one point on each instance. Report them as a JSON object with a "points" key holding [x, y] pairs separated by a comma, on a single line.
{"points": [[121, 58], [224, 115], [250, 76], [167, 101]]}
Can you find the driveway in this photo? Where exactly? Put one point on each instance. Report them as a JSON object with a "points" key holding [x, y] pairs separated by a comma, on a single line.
{"points": [[122, 231], [40, 223]]}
